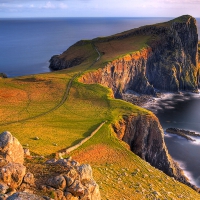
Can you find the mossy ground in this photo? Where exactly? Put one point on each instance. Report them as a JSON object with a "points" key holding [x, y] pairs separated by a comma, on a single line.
{"points": [[29, 109]]}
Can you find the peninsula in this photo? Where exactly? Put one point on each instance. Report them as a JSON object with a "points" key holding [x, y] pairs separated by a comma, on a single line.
{"points": [[71, 116]]}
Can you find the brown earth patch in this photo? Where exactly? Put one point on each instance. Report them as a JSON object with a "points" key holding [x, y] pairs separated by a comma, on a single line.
{"points": [[12, 95], [99, 153]]}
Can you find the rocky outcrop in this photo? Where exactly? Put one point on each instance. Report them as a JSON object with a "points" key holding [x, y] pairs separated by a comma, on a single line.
{"points": [[57, 63], [10, 148], [25, 196], [76, 182], [182, 133], [2, 75], [145, 137], [169, 63]]}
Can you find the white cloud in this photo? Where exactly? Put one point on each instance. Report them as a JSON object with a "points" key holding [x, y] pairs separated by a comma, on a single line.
{"points": [[49, 5], [63, 6], [182, 1]]}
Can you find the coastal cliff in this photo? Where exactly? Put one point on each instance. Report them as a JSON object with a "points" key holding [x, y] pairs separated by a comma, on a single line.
{"points": [[161, 57], [145, 136], [168, 63]]}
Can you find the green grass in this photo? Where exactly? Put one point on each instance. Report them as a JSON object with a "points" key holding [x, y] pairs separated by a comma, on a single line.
{"points": [[122, 174], [27, 110]]}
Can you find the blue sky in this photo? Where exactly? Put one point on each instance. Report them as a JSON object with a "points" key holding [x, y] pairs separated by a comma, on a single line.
{"points": [[98, 8]]}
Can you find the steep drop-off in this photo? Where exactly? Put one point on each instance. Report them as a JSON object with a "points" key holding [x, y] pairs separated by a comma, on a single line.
{"points": [[145, 136], [157, 57], [168, 59], [169, 62]]}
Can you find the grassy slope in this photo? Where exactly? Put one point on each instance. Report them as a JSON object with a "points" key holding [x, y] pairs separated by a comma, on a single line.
{"points": [[120, 173]]}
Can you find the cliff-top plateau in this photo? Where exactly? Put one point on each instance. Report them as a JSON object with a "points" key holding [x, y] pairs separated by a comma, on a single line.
{"points": [[75, 112]]}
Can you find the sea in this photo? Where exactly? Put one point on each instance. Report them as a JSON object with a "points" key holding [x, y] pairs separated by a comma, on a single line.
{"points": [[27, 44]]}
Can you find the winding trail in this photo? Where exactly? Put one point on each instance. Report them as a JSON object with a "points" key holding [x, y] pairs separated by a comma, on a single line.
{"points": [[64, 98]]}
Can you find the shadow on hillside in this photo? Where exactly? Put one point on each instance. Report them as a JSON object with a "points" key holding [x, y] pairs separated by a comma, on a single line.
{"points": [[86, 134]]}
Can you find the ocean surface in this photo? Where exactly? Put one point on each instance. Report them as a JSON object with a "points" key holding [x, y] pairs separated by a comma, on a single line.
{"points": [[26, 45], [181, 111]]}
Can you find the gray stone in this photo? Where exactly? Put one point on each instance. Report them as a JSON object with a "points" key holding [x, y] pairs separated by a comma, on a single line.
{"points": [[24, 196], [57, 182], [3, 188], [12, 174], [29, 179], [10, 148], [85, 171], [27, 152]]}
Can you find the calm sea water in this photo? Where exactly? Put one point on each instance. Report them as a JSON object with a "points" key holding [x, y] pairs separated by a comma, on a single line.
{"points": [[26, 45]]}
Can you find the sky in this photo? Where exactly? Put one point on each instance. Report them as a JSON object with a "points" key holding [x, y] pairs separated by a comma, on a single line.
{"points": [[98, 8]]}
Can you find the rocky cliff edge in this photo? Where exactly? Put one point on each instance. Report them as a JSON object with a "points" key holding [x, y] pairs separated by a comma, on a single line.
{"points": [[169, 62]]}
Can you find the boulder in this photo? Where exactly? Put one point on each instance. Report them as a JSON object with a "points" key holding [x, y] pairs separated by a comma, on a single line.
{"points": [[12, 174], [57, 182], [29, 179], [24, 196], [71, 176], [27, 152], [85, 171], [3, 188], [10, 148], [76, 183]]}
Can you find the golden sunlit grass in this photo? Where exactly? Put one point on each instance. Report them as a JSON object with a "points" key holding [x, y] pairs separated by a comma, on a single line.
{"points": [[32, 106], [123, 175]]}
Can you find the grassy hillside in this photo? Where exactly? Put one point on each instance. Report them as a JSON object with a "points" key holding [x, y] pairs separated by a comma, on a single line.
{"points": [[39, 106]]}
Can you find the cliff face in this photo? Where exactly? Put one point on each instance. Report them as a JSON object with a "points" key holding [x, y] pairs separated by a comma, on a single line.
{"points": [[128, 72], [169, 63], [145, 137], [173, 65]]}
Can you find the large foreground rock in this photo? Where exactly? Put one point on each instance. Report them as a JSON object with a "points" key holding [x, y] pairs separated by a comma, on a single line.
{"points": [[12, 174], [76, 182], [10, 148]]}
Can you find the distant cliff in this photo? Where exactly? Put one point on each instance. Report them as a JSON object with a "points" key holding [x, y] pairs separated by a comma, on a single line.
{"points": [[167, 60], [2, 75], [169, 63]]}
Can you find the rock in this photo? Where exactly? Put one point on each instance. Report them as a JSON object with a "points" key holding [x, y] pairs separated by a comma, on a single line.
{"points": [[145, 137], [58, 194], [29, 179], [51, 161], [85, 173], [12, 174], [76, 189], [24, 196], [3, 188], [10, 148], [57, 182], [69, 196], [26, 152], [78, 181], [168, 63], [3, 75], [70, 176]]}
